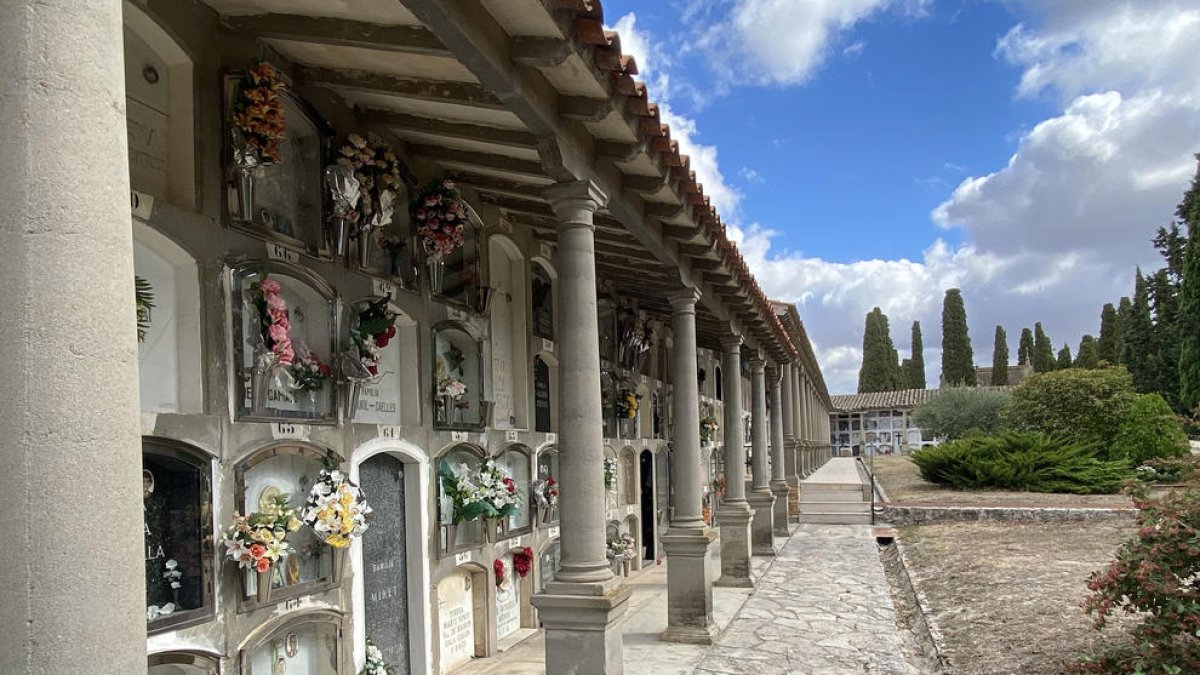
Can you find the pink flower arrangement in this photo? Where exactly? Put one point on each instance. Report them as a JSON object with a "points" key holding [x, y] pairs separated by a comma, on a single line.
{"points": [[440, 217], [274, 324]]}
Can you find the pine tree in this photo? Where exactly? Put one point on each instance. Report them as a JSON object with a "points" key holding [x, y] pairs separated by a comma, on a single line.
{"points": [[1124, 312], [1109, 346], [916, 363], [880, 369], [1064, 357], [1164, 297], [1139, 353], [1025, 348], [1189, 302], [1089, 351], [1000, 358], [958, 361], [1043, 352]]}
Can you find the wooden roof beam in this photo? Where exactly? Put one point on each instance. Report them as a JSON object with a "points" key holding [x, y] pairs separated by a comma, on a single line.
{"points": [[457, 93], [521, 167], [338, 32], [513, 138]]}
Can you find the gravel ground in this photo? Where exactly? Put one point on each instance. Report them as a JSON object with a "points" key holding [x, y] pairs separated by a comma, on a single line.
{"points": [[904, 485], [1005, 596]]}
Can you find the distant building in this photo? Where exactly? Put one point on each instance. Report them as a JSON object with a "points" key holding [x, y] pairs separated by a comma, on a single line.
{"points": [[876, 423], [1016, 375]]}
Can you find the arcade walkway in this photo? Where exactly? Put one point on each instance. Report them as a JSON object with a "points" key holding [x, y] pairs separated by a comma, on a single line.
{"points": [[821, 607]]}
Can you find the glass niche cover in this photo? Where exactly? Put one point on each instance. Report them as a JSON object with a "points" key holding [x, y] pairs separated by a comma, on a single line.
{"points": [[310, 648], [177, 527], [284, 322]]}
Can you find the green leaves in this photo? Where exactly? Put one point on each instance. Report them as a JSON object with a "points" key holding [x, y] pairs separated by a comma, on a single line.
{"points": [[143, 294]]}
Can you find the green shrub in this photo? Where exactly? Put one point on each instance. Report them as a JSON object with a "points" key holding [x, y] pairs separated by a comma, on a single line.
{"points": [[1079, 406], [954, 412], [1149, 431], [1154, 577], [1017, 460]]}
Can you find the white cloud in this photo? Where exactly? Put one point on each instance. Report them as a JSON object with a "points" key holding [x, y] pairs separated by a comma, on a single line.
{"points": [[855, 49]]}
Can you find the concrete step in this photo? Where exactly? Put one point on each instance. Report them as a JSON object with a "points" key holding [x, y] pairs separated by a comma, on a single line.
{"points": [[834, 507], [836, 518], [831, 496], [806, 486]]}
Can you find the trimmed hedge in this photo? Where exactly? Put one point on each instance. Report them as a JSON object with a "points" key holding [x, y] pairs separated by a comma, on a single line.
{"points": [[1148, 432], [1023, 461]]}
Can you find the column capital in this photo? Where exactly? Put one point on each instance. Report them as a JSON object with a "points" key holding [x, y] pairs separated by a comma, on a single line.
{"points": [[757, 364], [684, 300], [732, 343], [575, 202]]}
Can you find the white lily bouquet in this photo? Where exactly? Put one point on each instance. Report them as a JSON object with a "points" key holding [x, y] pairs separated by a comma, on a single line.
{"points": [[336, 509], [375, 665]]}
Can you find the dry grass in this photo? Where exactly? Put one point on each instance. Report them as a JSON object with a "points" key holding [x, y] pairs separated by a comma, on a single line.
{"points": [[904, 485], [1006, 597]]}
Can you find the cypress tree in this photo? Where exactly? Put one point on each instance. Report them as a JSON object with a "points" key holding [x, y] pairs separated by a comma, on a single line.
{"points": [[1089, 352], [1138, 353], [1043, 352], [916, 363], [1189, 303], [1164, 295], [1124, 311], [1064, 357], [1025, 347], [1000, 358], [1108, 347], [958, 361], [880, 369]]}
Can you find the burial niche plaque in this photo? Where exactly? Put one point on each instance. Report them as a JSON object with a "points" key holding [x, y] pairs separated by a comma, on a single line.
{"points": [[175, 505], [385, 568], [541, 395]]}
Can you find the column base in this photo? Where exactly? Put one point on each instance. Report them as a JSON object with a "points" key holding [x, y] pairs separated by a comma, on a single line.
{"points": [[734, 519], [689, 586], [580, 626], [780, 489], [762, 537]]}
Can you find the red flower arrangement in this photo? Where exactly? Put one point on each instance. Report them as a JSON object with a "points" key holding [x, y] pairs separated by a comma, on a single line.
{"points": [[498, 570], [523, 562], [274, 324], [440, 216], [258, 112]]}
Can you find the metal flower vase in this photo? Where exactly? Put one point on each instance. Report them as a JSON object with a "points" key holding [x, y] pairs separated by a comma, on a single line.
{"points": [[351, 390], [340, 558], [262, 583], [244, 183], [260, 383], [365, 243], [449, 409], [341, 236], [437, 274]]}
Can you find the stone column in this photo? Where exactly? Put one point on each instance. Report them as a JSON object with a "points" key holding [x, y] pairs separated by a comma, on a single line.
{"points": [[579, 608], [762, 541], [779, 484], [806, 429], [74, 596], [735, 514], [798, 424], [689, 540]]}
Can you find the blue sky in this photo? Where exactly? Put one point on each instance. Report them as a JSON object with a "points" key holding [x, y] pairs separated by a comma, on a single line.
{"points": [[877, 152]]}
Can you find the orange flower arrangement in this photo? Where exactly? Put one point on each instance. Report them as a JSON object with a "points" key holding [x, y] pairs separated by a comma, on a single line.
{"points": [[258, 112]]}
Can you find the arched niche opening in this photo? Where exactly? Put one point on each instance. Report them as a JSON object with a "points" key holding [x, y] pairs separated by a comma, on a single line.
{"points": [[718, 383], [517, 461], [546, 482], [627, 477], [647, 478], [509, 333], [389, 396], [159, 110], [290, 393], [541, 299], [285, 469], [460, 459], [513, 593], [631, 528], [462, 607], [647, 410], [170, 353], [178, 531], [612, 478], [545, 392], [390, 251], [460, 277], [183, 663], [304, 642], [662, 488], [458, 395], [549, 560]]}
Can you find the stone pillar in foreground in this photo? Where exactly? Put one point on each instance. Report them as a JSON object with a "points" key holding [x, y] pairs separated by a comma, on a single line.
{"points": [[689, 540], [579, 608], [762, 500], [779, 484], [74, 591], [735, 514]]}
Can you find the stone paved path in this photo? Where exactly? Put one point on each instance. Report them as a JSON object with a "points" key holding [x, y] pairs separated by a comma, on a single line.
{"points": [[823, 608]]}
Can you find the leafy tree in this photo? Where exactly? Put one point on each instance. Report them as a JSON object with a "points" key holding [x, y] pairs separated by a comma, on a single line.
{"points": [[1149, 431], [956, 410], [1025, 348], [1189, 307], [1109, 347], [1139, 353], [1000, 358], [1164, 296], [1064, 358], [880, 368], [1079, 406], [1124, 312], [916, 364], [958, 361], [1089, 353], [1043, 351]]}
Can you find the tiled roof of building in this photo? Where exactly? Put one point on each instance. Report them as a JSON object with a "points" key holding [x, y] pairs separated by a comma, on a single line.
{"points": [[904, 398]]}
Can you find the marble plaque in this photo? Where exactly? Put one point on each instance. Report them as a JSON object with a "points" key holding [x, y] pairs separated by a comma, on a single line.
{"points": [[385, 569]]}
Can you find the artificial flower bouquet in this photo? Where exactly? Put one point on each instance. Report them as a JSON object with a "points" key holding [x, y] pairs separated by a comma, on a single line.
{"points": [[610, 472], [523, 562], [274, 326], [259, 539], [440, 217], [310, 373], [626, 405], [375, 665], [377, 170], [336, 509], [708, 427], [550, 491], [374, 329], [486, 492], [452, 387], [258, 117]]}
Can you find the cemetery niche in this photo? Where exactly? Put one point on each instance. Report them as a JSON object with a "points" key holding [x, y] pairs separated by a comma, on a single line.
{"points": [[284, 323], [458, 379], [385, 565], [310, 643]]}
